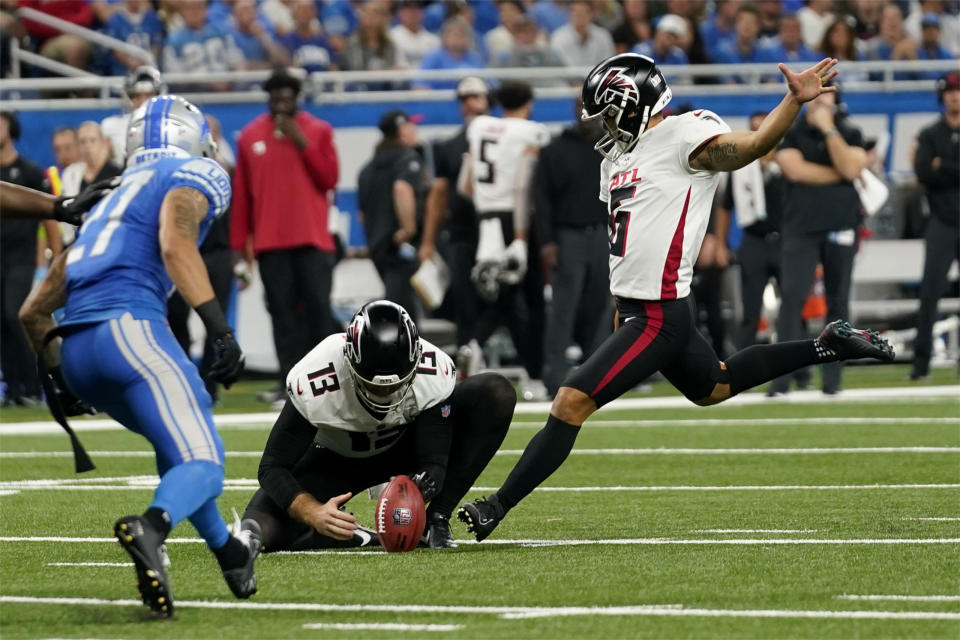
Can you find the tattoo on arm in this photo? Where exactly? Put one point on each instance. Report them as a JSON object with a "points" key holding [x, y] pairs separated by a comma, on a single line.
{"points": [[188, 206], [721, 151], [36, 314]]}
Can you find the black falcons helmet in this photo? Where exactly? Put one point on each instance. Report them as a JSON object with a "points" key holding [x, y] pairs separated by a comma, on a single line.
{"points": [[144, 79], [382, 351], [623, 92]]}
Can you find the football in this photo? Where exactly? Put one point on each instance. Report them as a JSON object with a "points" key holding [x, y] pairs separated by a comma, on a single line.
{"points": [[400, 515]]}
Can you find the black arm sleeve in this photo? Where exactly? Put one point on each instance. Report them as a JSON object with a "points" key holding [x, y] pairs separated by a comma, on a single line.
{"points": [[289, 440], [432, 438]]}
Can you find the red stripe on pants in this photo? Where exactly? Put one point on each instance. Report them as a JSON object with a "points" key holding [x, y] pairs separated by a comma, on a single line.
{"points": [[654, 324], [671, 269]]}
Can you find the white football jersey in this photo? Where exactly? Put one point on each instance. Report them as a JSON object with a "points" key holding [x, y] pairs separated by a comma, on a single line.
{"points": [[115, 130], [322, 390], [497, 146], [659, 208]]}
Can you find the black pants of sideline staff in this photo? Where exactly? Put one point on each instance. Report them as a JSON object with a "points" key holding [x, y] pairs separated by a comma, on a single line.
{"points": [[801, 254], [219, 265], [17, 359], [296, 285], [942, 248]]}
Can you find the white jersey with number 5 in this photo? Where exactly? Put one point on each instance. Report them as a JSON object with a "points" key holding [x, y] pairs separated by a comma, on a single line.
{"points": [[659, 207], [322, 390], [497, 146]]}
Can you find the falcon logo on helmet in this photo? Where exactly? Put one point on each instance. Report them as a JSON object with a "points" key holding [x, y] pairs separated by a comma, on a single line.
{"points": [[616, 88], [623, 93]]}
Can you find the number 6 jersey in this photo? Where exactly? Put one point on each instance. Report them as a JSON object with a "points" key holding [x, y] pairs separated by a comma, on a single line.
{"points": [[659, 207], [321, 388]]}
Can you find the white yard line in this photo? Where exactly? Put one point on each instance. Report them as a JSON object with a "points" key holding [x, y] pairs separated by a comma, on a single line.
{"points": [[900, 598], [9, 492], [526, 542], [511, 613], [381, 626], [582, 452], [933, 519], [89, 564], [148, 483], [893, 395], [754, 531], [751, 422]]}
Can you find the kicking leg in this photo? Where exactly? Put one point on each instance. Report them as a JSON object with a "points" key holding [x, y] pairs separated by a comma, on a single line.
{"points": [[643, 343]]}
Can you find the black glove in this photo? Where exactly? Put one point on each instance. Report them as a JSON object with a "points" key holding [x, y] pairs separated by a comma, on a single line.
{"points": [[72, 208], [229, 361], [427, 484], [71, 404]]}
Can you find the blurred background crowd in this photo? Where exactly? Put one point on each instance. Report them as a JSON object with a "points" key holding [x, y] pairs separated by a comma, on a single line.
{"points": [[203, 36]]}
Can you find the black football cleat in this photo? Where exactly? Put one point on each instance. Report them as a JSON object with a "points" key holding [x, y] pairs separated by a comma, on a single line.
{"points": [[841, 341], [436, 535], [145, 546], [482, 516], [242, 580]]}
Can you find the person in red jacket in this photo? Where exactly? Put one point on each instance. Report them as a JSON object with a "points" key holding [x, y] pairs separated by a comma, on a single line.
{"points": [[51, 42], [286, 167]]}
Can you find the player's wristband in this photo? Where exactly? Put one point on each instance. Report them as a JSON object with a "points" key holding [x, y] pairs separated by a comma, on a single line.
{"points": [[213, 318], [832, 132]]}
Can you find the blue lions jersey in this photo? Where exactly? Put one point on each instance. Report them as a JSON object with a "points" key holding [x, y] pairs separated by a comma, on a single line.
{"points": [[115, 267]]}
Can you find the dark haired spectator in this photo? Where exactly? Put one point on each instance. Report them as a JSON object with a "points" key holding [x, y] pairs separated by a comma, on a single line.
{"points": [[530, 50], [306, 43], [371, 47], [389, 189], [839, 41], [634, 28], [788, 46], [260, 50], [201, 45], [664, 46], [892, 43], [286, 167], [580, 42], [410, 36], [769, 12], [499, 41], [455, 52], [65, 147], [867, 16], [549, 14], [815, 18], [949, 23], [135, 22], [720, 27], [745, 47], [930, 47]]}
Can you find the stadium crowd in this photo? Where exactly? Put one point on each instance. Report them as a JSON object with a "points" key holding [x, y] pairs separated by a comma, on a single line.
{"points": [[203, 36]]}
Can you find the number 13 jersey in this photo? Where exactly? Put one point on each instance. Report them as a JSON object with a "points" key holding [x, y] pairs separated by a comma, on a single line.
{"points": [[659, 207], [322, 390]]}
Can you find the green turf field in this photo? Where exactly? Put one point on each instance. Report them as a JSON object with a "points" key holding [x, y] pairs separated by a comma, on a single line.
{"points": [[733, 521]]}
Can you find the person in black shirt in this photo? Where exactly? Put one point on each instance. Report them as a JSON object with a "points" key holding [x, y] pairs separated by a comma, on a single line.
{"points": [[820, 156], [18, 262], [938, 170], [572, 224], [390, 188], [448, 210]]}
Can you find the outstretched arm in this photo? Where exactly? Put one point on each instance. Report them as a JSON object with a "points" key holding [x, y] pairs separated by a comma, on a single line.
{"points": [[23, 202], [731, 151]]}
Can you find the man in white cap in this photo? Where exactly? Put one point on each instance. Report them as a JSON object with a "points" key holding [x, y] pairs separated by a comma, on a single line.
{"points": [[664, 47]]}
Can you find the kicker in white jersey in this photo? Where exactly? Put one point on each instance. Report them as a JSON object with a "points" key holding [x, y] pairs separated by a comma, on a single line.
{"points": [[322, 390], [497, 146], [659, 207]]}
